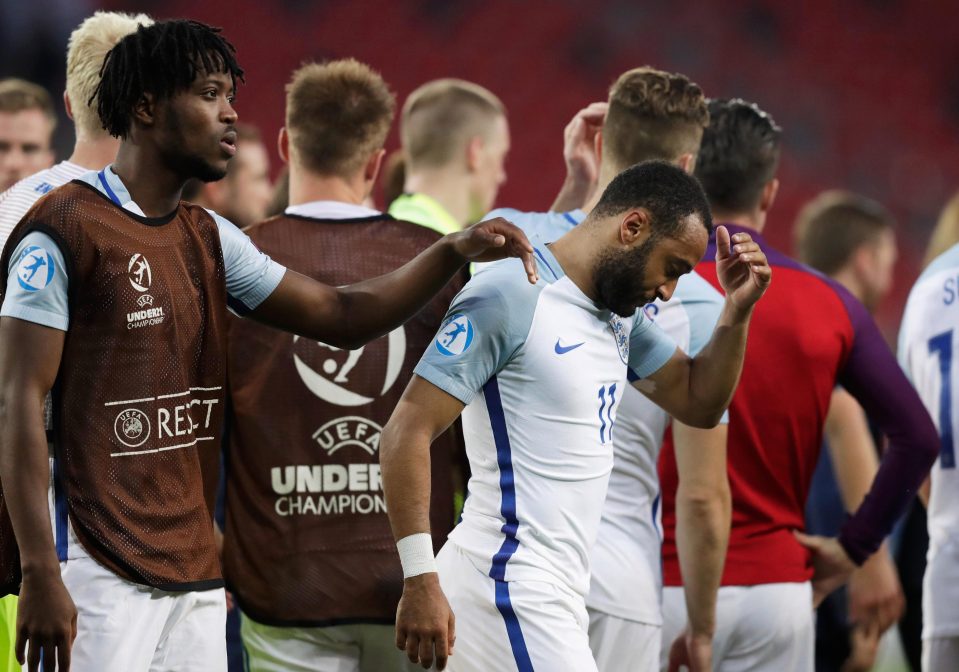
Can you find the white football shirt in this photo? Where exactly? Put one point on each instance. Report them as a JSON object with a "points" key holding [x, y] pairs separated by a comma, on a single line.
{"points": [[19, 198], [626, 566], [928, 347], [542, 370]]}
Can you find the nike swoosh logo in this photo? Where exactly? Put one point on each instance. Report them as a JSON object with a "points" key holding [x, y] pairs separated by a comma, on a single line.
{"points": [[563, 349]]}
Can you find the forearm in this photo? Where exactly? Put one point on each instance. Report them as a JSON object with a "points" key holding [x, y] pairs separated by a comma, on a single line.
{"points": [[702, 534], [405, 464], [714, 372], [874, 378], [25, 473], [904, 466], [372, 308], [851, 449]]}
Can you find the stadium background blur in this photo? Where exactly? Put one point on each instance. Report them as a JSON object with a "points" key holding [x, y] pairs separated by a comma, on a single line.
{"points": [[866, 90]]}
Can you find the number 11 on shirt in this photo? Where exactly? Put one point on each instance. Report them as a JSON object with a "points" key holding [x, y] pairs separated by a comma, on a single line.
{"points": [[941, 345], [607, 399]]}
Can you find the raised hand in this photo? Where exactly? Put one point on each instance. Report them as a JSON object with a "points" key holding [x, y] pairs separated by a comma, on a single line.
{"points": [[831, 566], [579, 144], [425, 625], [741, 267], [496, 239], [46, 623]]}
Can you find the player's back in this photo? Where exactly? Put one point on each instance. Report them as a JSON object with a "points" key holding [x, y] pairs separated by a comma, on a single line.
{"points": [[19, 198], [800, 336], [304, 502], [927, 343]]}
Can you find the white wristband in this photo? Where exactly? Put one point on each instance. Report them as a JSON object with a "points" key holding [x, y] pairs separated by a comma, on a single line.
{"points": [[416, 554]]}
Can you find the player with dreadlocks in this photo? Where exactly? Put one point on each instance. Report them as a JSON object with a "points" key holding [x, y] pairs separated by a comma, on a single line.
{"points": [[124, 320]]}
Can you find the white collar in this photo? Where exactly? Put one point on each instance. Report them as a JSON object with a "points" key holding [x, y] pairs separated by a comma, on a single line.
{"points": [[331, 210]]}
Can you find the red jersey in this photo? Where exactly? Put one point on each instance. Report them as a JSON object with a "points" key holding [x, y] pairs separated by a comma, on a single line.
{"points": [[807, 335]]}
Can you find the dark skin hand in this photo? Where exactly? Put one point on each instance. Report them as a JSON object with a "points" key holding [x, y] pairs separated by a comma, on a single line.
{"points": [[46, 615], [425, 622]]}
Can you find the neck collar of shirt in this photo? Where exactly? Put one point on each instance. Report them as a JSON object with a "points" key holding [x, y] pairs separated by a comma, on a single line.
{"points": [[575, 217], [546, 263], [331, 210], [110, 184]]}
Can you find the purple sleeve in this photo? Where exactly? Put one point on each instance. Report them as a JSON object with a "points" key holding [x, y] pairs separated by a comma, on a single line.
{"points": [[873, 377]]}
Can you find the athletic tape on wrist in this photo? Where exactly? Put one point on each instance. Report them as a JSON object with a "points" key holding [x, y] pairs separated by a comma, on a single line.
{"points": [[416, 554]]}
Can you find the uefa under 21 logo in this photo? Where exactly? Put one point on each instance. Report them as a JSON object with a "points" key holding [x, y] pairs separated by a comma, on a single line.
{"points": [[35, 268], [455, 336]]}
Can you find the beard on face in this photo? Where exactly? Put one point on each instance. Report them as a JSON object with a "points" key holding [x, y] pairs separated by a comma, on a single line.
{"points": [[618, 277]]}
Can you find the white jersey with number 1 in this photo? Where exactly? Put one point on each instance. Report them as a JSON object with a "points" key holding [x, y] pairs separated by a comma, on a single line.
{"points": [[928, 352]]}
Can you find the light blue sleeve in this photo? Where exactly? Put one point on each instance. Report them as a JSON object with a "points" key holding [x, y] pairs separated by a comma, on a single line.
{"points": [[251, 275], [37, 283], [703, 305], [486, 324], [649, 347]]}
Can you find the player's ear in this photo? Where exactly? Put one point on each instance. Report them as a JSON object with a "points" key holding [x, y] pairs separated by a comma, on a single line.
{"points": [[474, 153], [769, 195], [634, 226], [283, 144], [598, 145], [67, 105], [144, 112], [373, 165], [687, 162]]}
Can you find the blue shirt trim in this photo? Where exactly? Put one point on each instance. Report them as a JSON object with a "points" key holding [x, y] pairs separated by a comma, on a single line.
{"points": [[494, 405], [106, 187]]}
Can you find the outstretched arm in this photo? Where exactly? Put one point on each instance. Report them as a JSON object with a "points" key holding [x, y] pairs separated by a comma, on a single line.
{"points": [[703, 511], [696, 391], [424, 622], [29, 361], [348, 317]]}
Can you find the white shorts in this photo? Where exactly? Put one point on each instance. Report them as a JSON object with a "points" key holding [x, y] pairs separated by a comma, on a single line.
{"points": [[620, 644], [764, 628], [515, 625], [940, 654], [123, 626], [360, 647]]}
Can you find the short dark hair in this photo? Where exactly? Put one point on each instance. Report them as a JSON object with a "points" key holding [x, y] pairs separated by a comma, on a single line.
{"points": [[653, 115], [738, 155], [161, 59], [668, 192], [832, 226]]}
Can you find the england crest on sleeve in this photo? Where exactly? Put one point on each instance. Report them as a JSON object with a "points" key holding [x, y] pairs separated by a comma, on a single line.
{"points": [[620, 336]]}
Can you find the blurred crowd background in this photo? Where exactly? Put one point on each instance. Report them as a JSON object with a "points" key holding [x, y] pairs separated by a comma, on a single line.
{"points": [[865, 90]]}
